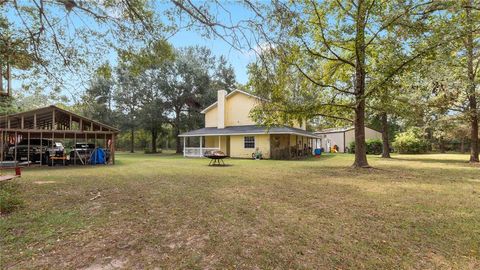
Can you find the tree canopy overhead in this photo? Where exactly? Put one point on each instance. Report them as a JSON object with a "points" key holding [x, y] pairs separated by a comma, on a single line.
{"points": [[329, 58], [61, 39]]}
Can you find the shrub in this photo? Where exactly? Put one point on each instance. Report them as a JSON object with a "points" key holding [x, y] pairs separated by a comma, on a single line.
{"points": [[9, 199], [374, 147], [410, 142], [351, 147]]}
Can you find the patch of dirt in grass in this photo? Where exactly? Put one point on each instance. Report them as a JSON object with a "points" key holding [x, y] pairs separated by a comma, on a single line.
{"points": [[113, 264], [44, 182]]}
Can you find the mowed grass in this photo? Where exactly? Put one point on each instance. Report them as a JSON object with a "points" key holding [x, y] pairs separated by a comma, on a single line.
{"points": [[165, 211]]}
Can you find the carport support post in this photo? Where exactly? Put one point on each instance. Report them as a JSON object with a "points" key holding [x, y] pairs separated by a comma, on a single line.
{"points": [[64, 155], [74, 148], [54, 126], [2, 147], [41, 148], [53, 144], [16, 145], [86, 141], [113, 148], [28, 149]]}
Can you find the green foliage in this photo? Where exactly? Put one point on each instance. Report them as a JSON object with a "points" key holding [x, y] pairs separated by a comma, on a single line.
{"points": [[410, 142], [374, 147], [9, 198]]}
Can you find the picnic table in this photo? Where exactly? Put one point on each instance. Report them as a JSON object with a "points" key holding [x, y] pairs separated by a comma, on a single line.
{"points": [[216, 160]]}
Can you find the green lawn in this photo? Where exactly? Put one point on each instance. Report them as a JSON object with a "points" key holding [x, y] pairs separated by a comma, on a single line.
{"points": [[165, 211]]}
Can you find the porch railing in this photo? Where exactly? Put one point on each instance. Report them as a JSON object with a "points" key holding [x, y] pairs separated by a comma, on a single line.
{"points": [[197, 151]]}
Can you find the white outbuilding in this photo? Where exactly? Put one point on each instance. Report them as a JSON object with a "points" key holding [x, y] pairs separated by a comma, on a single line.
{"points": [[342, 137]]}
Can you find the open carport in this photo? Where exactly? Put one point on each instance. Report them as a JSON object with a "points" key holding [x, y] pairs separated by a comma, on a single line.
{"points": [[52, 124]]}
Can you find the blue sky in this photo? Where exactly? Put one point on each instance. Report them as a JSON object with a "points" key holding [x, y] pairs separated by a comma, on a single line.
{"points": [[239, 60], [186, 37], [236, 12]]}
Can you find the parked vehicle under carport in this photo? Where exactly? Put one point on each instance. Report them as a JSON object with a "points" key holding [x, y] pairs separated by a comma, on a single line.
{"points": [[40, 150]]}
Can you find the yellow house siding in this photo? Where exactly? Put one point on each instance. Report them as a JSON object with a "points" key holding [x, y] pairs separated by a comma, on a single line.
{"points": [[212, 142], [237, 146], [211, 117], [293, 140], [237, 110]]}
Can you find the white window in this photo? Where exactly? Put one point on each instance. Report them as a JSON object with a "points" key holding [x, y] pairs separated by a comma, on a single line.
{"points": [[249, 142]]}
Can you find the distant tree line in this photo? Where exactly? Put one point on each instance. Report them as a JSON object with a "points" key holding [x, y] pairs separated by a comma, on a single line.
{"points": [[156, 92], [415, 63], [394, 65]]}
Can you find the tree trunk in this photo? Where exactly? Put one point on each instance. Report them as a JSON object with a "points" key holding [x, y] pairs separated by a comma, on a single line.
{"points": [[472, 97], [385, 143], [474, 135], [462, 146], [178, 141], [132, 140], [359, 122], [154, 140], [176, 131], [441, 145]]}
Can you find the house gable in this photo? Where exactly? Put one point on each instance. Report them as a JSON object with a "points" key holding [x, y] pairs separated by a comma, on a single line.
{"points": [[238, 105]]}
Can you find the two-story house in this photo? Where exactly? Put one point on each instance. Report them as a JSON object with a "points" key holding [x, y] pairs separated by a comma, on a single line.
{"points": [[230, 129]]}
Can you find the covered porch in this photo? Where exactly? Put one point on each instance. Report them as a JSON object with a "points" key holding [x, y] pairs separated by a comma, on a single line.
{"points": [[197, 146], [293, 146], [247, 141]]}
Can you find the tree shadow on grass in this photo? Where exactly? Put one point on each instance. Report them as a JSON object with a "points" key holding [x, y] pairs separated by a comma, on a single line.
{"points": [[432, 160]]}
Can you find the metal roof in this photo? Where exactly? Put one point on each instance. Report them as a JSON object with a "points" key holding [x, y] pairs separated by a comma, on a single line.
{"points": [[247, 130], [45, 119], [340, 130], [334, 130]]}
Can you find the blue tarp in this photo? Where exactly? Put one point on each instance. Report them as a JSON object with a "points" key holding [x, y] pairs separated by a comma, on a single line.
{"points": [[98, 156]]}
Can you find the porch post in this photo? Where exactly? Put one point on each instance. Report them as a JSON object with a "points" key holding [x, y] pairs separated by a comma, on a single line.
{"points": [[184, 140], [219, 142], [201, 145]]}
